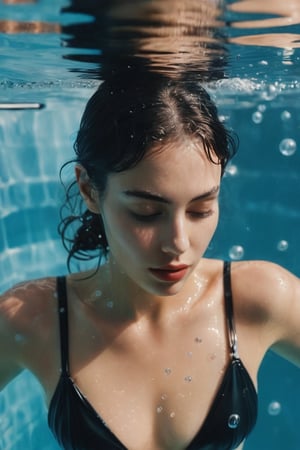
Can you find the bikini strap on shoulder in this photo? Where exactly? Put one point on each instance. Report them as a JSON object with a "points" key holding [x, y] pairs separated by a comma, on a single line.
{"points": [[63, 323], [229, 309]]}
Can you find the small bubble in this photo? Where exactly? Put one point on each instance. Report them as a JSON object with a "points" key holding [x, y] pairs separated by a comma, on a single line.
{"points": [[172, 415], [282, 245], [233, 421], [198, 340], [188, 378], [236, 252], [110, 304], [231, 170], [168, 371], [164, 397], [189, 354], [261, 108], [274, 408], [159, 409], [257, 117], [98, 293], [285, 116], [287, 147], [19, 338], [55, 294], [61, 310]]}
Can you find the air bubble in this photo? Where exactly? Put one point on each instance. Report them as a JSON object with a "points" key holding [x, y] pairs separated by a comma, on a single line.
{"points": [[274, 408], [110, 304], [168, 371], [285, 116], [19, 338], [257, 117], [159, 409], [231, 170], [261, 108], [282, 245], [287, 147], [98, 293], [236, 252], [233, 421], [172, 415]]}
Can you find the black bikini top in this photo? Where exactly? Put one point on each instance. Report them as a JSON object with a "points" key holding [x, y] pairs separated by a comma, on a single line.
{"points": [[77, 426]]}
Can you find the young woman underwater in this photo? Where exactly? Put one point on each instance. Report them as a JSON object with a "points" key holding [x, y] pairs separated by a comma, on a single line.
{"points": [[159, 347]]}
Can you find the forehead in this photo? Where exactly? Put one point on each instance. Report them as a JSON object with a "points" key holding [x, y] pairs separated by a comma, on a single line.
{"points": [[169, 169]]}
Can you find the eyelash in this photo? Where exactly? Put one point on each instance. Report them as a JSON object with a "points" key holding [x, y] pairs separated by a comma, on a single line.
{"points": [[155, 216]]}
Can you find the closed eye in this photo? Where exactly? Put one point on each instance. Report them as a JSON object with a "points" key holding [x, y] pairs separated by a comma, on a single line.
{"points": [[200, 214], [145, 217]]}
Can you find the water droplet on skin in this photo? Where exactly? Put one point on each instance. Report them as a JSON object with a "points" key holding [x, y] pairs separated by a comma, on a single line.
{"points": [[188, 379], [164, 397], [274, 408], [198, 340], [159, 409], [189, 354], [257, 117], [233, 421], [236, 252], [55, 294], [212, 356], [287, 147], [282, 245], [98, 293], [168, 371], [172, 415]]}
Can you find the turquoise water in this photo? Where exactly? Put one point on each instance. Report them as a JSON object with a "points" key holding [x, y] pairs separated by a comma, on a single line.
{"points": [[259, 99]]}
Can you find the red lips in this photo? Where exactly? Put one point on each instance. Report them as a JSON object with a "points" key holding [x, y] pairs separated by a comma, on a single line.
{"points": [[170, 272]]}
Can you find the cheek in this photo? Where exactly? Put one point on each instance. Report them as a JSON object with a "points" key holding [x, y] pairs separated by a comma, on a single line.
{"points": [[124, 232]]}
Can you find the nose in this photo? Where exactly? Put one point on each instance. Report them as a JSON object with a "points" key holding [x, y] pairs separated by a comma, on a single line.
{"points": [[175, 239]]}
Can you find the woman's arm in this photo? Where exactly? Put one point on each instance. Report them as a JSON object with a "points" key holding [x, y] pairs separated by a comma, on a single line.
{"points": [[270, 296], [9, 352]]}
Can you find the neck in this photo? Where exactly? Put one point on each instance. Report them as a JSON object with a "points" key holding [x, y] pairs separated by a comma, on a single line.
{"points": [[123, 299]]}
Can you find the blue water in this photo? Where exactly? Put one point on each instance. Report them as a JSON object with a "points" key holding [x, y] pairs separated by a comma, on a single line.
{"points": [[260, 215]]}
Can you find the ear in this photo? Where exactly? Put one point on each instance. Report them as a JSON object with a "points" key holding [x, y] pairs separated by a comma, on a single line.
{"points": [[87, 191]]}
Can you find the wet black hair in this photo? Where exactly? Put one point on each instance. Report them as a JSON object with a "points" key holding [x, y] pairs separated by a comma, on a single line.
{"points": [[122, 121]]}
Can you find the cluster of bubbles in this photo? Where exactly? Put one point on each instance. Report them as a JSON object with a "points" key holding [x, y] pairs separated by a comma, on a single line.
{"points": [[237, 252], [288, 145]]}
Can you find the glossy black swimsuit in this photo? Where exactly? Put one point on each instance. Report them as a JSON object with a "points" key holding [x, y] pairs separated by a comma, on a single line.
{"points": [[77, 426]]}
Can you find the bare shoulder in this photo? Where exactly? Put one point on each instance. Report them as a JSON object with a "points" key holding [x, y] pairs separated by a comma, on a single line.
{"points": [[27, 314], [268, 295], [25, 306], [263, 284]]}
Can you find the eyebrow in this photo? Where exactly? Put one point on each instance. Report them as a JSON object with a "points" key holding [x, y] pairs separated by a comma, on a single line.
{"points": [[146, 195]]}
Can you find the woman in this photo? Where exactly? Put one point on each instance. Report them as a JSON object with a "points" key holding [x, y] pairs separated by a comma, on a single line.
{"points": [[158, 347]]}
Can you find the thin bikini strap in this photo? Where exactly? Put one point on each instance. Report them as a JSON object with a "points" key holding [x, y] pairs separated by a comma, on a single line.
{"points": [[229, 309], [63, 323]]}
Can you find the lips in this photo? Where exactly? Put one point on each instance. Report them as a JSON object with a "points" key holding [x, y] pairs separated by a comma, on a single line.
{"points": [[170, 272]]}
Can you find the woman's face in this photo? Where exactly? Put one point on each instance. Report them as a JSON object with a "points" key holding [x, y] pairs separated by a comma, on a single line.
{"points": [[160, 216]]}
